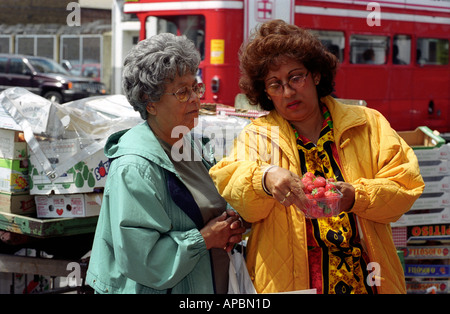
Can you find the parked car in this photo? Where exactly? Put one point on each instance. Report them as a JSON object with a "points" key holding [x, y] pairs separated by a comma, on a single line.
{"points": [[91, 70], [46, 78]]}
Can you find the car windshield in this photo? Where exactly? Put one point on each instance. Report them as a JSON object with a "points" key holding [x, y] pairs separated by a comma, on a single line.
{"points": [[47, 66]]}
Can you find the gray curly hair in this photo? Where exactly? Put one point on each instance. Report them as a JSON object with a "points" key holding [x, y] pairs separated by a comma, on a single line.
{"points": [[153, 63]]}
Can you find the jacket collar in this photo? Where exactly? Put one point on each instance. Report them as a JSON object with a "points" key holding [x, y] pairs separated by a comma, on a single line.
{"points": [[141, 141], [344, 117]]}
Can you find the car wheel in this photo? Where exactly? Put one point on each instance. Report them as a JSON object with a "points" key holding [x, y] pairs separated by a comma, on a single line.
{"points": [[54, 97]]}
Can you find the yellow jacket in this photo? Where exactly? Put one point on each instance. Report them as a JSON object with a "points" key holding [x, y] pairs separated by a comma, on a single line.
{"points": [[375, 160]]}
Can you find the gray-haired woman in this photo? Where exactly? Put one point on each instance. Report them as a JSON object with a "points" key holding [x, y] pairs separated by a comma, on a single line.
{"points": [[163, 228]]}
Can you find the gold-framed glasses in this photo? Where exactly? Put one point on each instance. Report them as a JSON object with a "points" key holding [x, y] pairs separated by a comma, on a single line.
{"points": [[295, 82], [184, 93]]}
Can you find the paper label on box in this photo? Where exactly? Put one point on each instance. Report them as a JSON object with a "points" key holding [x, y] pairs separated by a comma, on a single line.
{"points": [[432, 200], [10, 147], [17, 203], [421, 233], [70, 205], [426, 252], [440, 286], [436, 153], [423, 217], [13, 175], [419, 270]]}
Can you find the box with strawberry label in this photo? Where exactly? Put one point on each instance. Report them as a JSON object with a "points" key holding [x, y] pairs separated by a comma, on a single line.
{"points": [[324, 198], [68, 205], [428, 286]]}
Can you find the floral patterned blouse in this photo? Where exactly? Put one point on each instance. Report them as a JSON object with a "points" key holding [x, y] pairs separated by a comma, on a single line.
{"points": [[337, 262]]}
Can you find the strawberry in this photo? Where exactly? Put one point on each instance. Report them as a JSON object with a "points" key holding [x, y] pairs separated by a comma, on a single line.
{"points": [[331, 193], [329, 186], [318, 192], [316, 212], [306, 181], [320, 181], [310, 188]]}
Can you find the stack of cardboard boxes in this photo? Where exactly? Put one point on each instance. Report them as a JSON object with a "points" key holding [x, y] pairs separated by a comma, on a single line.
{"points": [[76, 193], [423, 234], [14, 189], [26, 190]]}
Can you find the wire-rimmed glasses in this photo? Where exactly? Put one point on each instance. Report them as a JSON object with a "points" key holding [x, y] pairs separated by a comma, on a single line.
{"points": [[295, 82], [184, 93]]}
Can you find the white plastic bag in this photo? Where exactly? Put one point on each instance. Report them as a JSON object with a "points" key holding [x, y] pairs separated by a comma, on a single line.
{"points": [[239, 280]]}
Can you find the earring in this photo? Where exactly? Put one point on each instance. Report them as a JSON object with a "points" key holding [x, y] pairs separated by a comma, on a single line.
{"points": [[268, 97]]}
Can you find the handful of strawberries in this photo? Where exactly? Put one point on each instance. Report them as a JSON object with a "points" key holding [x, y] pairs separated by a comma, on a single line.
{"points": [[323, 196]]}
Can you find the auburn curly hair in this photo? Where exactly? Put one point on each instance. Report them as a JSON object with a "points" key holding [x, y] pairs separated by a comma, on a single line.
{"points": [[273, 41]]}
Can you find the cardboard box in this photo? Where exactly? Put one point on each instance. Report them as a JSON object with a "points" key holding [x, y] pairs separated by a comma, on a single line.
{"points": [[426, 286], [69, 205], [83, 177], [432, 200], [437, 184], [437, 153], [14, 175], [424, 217], [422, 138], [21, 204], [12, 145], [426, 252], [430, 271], [404, 236], [435, 168]]}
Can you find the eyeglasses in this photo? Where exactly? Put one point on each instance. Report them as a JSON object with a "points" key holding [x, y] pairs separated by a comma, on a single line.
{"points": [[295, 82], [184, 93]]}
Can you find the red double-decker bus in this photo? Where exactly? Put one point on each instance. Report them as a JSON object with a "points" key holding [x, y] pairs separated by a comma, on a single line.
{"points": [[394, 54]]}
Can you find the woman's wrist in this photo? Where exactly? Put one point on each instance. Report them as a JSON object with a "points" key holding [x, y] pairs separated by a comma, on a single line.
{"points": [[263, 179]]}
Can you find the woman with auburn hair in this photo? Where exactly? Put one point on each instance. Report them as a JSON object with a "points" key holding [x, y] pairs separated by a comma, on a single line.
{"points": [[287, 71]]}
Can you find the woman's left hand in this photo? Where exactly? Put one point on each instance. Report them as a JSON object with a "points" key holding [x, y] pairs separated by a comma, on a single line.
{"points": [[237, 224], [348, 198]]}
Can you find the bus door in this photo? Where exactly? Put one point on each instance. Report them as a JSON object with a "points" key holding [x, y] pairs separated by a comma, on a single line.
{"points": [[430, 83], [402, 114]]}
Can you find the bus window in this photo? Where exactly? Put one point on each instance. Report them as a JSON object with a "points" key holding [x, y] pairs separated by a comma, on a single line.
{"points": [[401, 50], [192, 26], [368, 49], [333, 40], [432, 51]]}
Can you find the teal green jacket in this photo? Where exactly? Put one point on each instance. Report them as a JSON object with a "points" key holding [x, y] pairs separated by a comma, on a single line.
{"points": [[144, 242]]}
